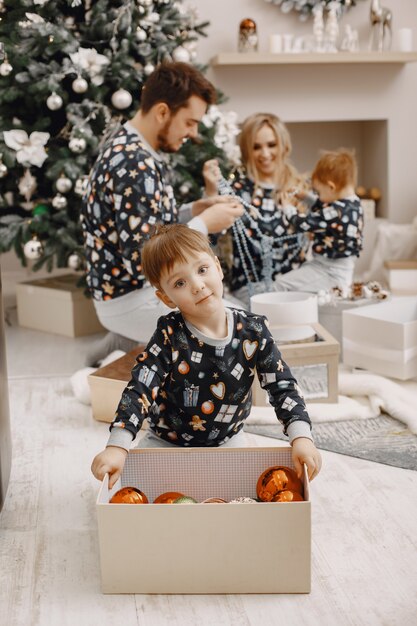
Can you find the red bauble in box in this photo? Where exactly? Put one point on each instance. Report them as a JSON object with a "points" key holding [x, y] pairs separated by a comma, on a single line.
{"points": [[129, 495], [275, 479], [168, 497]]}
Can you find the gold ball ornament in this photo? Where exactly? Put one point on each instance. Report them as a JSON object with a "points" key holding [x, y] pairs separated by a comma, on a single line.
{"points": [[275, 479], [288, 496], [375, 193], [168, 497], [361, 191], [129, 495]]}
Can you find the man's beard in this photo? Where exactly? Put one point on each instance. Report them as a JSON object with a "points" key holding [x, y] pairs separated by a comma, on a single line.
{"points": [[162, 138]]}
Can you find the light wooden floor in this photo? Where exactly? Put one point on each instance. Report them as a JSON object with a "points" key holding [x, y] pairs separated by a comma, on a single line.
{"points": [[364, 530]]}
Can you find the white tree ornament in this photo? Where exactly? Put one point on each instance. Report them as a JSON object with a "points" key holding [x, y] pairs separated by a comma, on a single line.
{"points": [[29, 149]]}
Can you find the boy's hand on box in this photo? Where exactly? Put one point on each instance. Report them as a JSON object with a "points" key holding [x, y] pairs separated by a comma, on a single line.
{"points": [[111, 461], [304, 451]]}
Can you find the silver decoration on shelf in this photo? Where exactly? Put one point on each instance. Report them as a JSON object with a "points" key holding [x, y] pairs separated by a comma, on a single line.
{"points": [[381, 27]]}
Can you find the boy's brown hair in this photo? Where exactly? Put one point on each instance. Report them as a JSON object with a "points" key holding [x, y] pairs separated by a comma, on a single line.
{"points": [[167, 246], [174, 83], [338, 167]]}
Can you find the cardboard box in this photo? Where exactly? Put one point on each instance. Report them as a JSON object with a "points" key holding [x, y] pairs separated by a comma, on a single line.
{"points": [[314, 364], [107, 384], [402, 277], [56, 305], [383, 337], [203, 548]]}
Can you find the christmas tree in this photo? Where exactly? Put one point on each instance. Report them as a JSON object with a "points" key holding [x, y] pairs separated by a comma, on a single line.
{"points": [[71, 71]]}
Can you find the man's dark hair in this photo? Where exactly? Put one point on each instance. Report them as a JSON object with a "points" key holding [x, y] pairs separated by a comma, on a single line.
{"points": [[174, 83]]}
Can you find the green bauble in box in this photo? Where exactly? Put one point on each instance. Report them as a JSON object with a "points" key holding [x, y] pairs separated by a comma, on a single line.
{"points": [[41, 209]]}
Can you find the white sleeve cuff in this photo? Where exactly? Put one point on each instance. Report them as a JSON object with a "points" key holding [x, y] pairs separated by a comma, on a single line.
{"points": [[299, 428], [120, 438], [196, 223]]}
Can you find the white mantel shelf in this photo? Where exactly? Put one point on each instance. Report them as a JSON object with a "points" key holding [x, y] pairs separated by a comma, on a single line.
{"points": [[225, 59]]}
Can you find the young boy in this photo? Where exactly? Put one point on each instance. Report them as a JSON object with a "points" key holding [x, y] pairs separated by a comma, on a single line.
{"points": [[336, 223], [193, 381]]}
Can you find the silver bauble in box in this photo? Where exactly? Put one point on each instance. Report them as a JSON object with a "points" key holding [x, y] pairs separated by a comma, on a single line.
{"points": [[3, 170], [79, 85], [32, 249], [5, 68], [54, 102], [73, 261], [181, 54], [140, 34], [77, 144], [59, 202], [63, 184], [121, 99], [148, 69], [81, 185]]}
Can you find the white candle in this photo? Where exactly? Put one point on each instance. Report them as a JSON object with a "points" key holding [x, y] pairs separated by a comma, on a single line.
{"points": [[275, 44], [405, 39]]}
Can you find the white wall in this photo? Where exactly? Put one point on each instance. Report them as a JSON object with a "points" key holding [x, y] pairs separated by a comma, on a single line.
{"points": [[324, 92]]}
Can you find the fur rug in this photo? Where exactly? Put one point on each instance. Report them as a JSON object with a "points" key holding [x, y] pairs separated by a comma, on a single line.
{"points": [[362, 395]]}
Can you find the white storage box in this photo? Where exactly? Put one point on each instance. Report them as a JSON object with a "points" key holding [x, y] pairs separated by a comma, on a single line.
{"points": [[56, 305], [402, 276], [203, 548], [383, 338]]}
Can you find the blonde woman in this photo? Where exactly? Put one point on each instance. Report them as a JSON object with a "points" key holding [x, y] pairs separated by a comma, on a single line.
{"points": [[264, 244]]}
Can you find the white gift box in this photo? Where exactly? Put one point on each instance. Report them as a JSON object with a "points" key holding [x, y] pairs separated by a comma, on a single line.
{"points": [[382, 337], [402, 277], [261, 547]]}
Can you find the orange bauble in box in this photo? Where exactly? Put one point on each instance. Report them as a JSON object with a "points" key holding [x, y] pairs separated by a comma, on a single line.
{"points": [[288, 496], [275, 479], [168, 497], [129, 495]]}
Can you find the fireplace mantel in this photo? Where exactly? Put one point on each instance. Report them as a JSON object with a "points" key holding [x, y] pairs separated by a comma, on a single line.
{"points": [[266, 58]]}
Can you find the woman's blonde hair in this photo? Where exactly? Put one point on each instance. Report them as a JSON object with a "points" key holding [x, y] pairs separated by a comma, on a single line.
{"points": [[169, 245], [286, 175]]}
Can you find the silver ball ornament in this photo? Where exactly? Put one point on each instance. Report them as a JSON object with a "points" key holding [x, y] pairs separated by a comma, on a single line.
{"points": [[121, 99], [5, 68], [74, 261], [140, 34], [77, 144], [59, 201], [148, 69], [3, 170], [32, 249], [181, 54], [63, 184], [79, 85], [54, 102], [81, 185]]}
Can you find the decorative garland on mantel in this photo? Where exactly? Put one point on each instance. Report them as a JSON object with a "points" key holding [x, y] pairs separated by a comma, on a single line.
{"points": [[305, 7]]}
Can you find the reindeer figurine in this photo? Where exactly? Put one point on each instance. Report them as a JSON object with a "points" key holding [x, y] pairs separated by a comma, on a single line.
{"points": [[381, 24]]}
